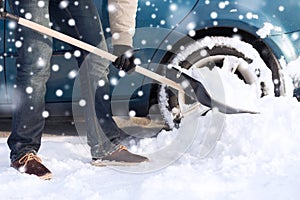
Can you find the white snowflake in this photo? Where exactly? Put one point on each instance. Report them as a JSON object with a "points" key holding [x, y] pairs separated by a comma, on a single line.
{"points": [[140, 93], [63, 4], [45, 114], [82, 102], [28, 16], [111, 8], [281, 8], [67, 55], [72, 74], [12, 25], [41, 4], [113, 81], [214, 15], [71, 22], [132, 113], [29, 90], [77, 53], [173, 7], [106, 97], [122, 73], [41, 62], [101, 83], [18, 44], [59, 93]]}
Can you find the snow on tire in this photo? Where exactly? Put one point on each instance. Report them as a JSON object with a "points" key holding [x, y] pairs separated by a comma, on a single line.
{"points": [[230, 53]]}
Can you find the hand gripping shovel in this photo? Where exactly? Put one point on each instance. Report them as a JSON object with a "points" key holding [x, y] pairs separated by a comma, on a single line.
{"points": [[201, 93]]}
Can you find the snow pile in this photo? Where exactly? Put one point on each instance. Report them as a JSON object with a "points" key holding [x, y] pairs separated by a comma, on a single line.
{"points": [[257, 157], [243, 156]]}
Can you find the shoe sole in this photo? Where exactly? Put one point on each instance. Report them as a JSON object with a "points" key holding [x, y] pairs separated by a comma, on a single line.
{"points": [[102, 163], [47, 176]]}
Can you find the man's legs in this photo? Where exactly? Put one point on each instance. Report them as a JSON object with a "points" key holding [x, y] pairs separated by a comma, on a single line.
{"points": [[33, 71], [101, 128], [102, 132]]}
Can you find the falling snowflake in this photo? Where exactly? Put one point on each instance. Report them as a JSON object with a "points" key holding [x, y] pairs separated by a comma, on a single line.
{"points": [[18, 44], [144, 42], [71, 22], [185, 84], [29, 90], [72, 74], [41, 62], [137, 61], [213, 15], [295, 36], [192, 33], [111, 8], [59, 93], [82, 102], [63, 4], [162, 22], [28, 16], [140, 93], [113, 81], [281, 8], [77, 53], [132, 113], [116, 36], [222, 5], [41, 4], [276, 81], [203, 53], [67, 55], [101, 83], [173, 7], [169, 47], [122, 73], [191, 26], [45, 114], [12, 25], [55, 67], [106, 97]]}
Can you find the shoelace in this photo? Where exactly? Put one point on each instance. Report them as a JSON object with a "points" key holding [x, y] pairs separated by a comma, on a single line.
{"points": [[30, 156], [122, 147]]}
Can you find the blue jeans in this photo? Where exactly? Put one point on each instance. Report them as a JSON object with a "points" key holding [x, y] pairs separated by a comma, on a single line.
{"points": [[33, 71]]}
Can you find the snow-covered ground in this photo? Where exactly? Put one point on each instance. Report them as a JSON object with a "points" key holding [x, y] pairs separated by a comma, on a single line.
{"points": [[242, 156], [257, 157]]}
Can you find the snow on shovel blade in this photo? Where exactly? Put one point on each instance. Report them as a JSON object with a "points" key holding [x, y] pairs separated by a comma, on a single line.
{"points": [[204, 98]]}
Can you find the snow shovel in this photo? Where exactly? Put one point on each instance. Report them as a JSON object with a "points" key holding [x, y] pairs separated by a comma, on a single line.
{"points": [[201, 93]]}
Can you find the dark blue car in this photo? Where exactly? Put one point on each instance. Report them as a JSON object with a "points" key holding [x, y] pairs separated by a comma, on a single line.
{"points": [[260, 36]]}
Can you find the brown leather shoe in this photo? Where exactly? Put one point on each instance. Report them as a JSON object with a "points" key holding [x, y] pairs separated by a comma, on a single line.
{"points": [[32, 164], [121, 157]]}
